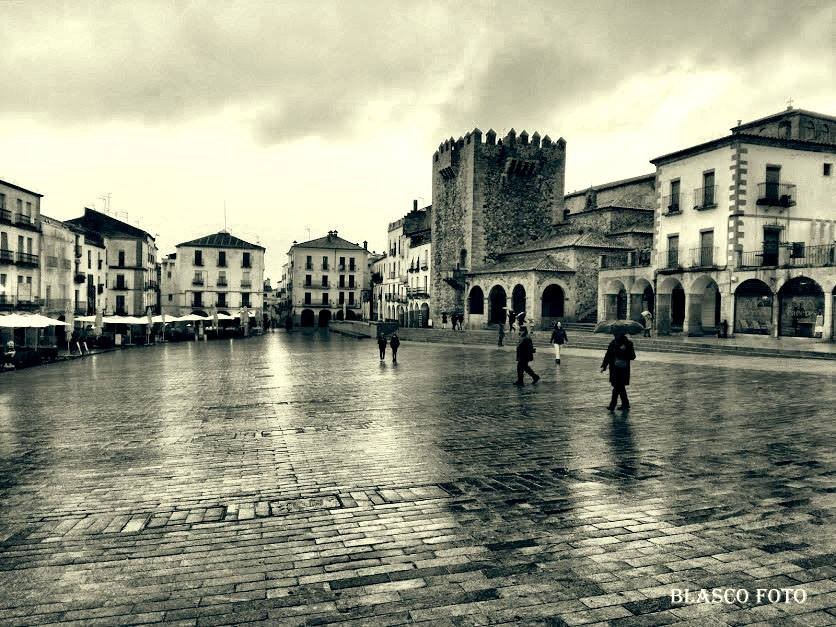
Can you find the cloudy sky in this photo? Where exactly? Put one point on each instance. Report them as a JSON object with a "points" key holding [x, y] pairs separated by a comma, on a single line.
{"points": [[306, 116]]}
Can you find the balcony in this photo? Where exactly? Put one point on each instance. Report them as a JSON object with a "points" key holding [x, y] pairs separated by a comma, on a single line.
{"points": [[776, 195], [671, 205], [246, 284], [198, 263], [6, 301], [703, 257], [418, 292], [5, 216], [392, 275], [246, 264], [152, 285], [56, 304], [29, 304], [790, 255], [26, 222], [7, 256], [197, 303], [308, 266], [222, 303], [221, 264], [705, 198], [27, 259], [120, 285], [80, 278], [352, 268], [669, 259], [341, 267], [198, 281], [633, 259], [222, 283]]}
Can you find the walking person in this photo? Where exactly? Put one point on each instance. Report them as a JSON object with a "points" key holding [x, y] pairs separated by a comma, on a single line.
{"points": [[511, 318], [381, 344], [501, 328], [648, 322], [558, 339], [394, 343], [619, 354], [525, 354], [443, 319]]}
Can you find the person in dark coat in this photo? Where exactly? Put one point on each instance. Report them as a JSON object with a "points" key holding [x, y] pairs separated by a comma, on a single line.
{"points": [[381, 344], [558, 339], [525, 354], [619, 354], [511, 317], [394, 343], [501, 327]]}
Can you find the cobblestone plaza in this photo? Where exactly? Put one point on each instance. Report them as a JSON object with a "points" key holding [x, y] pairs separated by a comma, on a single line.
{"points": [[294, 479]]}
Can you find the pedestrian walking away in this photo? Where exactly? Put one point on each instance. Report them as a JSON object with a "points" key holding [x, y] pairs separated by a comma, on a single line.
{"points": [[381, 344], [648, 322], [511, 317], [525, 354], [558, 339], [619, 354], [394, 343], [501, 336], [443, 320]]}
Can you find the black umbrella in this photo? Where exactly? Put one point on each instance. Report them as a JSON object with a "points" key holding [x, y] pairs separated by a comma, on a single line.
{"points": [[627, 327]]}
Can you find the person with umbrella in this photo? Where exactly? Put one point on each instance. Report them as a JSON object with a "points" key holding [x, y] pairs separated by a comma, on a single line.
{"points": [[620, 353], [648, 322]]}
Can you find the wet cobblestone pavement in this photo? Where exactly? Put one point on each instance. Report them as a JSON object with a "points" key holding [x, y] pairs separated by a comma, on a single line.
{"points": [[293, 479]]}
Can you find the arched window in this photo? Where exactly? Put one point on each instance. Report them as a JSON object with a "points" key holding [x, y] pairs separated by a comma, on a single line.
{"points": [[476, 301]]}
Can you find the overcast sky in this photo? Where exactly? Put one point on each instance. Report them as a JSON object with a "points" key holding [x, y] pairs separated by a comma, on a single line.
{"points": [[324, 115]]}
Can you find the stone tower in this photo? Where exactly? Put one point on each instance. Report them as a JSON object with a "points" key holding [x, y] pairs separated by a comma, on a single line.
{"points": [[489, 195]]}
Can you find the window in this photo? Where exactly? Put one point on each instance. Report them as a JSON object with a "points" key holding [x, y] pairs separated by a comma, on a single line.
{"points": [[351, 298], [324, 280], [29, 245], [198, 257], [222, 259], [19, 205], [170, 297], [120, 304], [827, 170], [20, 243], [773, 182], [245, 262], [221, 299], [89, 259], [120, 282], [308, 263], [706, 258], [351, 280], [342, 298], [342, 280], [169, 274], [198, 278], [342, 264], [708, 189], [121, 263], [325, 263], [2, 201], [351, 266], [197, 299], [673, 251], [307, 298], [325, 298], [222, 278], [673, 202], [28, 209], [99, 255], [308, 280]]}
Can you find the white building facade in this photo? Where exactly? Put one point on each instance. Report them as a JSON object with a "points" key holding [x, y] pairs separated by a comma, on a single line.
{"points": [[326, 279], [20, 240], [744, 237]]}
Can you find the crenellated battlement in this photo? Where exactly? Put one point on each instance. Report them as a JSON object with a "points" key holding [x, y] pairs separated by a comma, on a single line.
{"points": [[522, 146]]}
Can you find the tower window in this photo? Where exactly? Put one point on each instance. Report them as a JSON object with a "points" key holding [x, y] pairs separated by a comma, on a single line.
{"points": [[828, 169]]}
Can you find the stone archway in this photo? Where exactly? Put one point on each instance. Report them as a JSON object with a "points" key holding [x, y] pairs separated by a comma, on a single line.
{"points": [[339, 315], [800, 302], [552, 305], [324, 317], [615, 303], [307, 318], [518, 299], [753, 304], [497, 303], [704, 306], [642, 299], [350, 315], [424, 316], [476, 301]]}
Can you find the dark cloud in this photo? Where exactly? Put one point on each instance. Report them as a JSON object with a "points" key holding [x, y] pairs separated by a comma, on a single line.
{"points": [[329, 68]]}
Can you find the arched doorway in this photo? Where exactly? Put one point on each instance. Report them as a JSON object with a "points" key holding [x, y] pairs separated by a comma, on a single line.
{"points": [[552, 305], [324, 317], [801, 301], [61, 333], [307, 318], [621, 304], [496, 304], [401, 316], [339, 315], [476, 301], [704, 306], [670, 306], [641, 299], [425, 316], [753, 308], [518, 299], [350, 315]]}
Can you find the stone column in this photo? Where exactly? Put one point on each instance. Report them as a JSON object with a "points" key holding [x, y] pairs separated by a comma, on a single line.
{"points": [[776, 314], [611, 307], [693, 314], [663, 314], [728, 311], [828, 316], [635, 308]]}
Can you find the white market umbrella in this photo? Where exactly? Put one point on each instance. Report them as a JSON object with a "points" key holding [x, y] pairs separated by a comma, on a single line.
{"points": [[85, 318]]}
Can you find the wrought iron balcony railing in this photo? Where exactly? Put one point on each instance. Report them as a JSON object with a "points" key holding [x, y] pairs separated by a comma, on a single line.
{"points": [[705, 257], [776, 194], [669, 259], [705, 198], [5, 215], [27, 259], [7, 256], [791, 255], [633, 259]]}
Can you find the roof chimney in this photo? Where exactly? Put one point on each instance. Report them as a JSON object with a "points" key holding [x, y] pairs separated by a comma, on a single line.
{"points": [[365, 245], [415, 205]]}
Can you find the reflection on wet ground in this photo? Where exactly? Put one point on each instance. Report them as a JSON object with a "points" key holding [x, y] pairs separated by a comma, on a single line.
{"points": [[295, 478]]}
